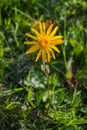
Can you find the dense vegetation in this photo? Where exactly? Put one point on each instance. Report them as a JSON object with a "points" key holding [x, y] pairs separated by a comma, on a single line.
{"points": [[27, 100]]}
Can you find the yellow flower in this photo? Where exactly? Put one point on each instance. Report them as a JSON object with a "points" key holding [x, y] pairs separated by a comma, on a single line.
{"points": [[44, 41]]}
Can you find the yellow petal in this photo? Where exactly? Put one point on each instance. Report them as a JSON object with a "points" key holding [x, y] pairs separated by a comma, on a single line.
{"points": [[55, 48], [43, 55], [44, 28], [52, 52], [31, 36], [49, 29], [54, 31], [48, 55], [56, 37], [41, 29], [38, 56], [33, 49], [36, 32], [56, 42], [32, 42]]}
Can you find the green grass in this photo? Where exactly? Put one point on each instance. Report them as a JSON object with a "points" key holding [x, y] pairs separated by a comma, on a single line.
{"points": [[27, 100]]}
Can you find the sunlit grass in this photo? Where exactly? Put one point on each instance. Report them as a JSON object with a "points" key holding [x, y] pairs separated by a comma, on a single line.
{"points": [[31, 99]]}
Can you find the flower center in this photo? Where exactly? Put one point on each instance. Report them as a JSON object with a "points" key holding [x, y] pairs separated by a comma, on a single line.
{"points": [[44, 42]]}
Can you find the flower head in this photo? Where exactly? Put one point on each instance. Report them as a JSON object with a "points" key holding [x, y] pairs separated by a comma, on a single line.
{"points": [[44, 41]]}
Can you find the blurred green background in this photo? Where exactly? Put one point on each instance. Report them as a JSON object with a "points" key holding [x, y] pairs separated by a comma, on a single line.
{"points": [[26, 101]]}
